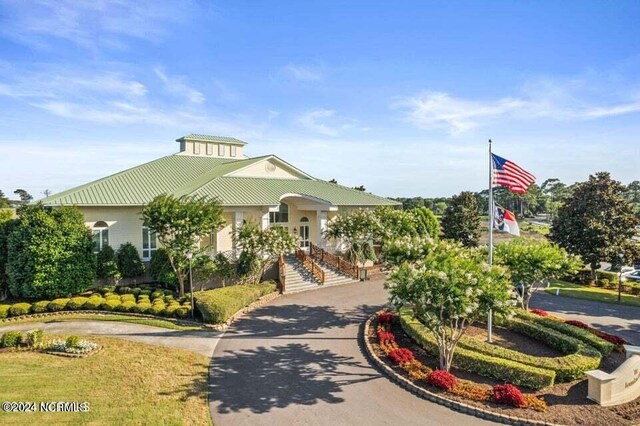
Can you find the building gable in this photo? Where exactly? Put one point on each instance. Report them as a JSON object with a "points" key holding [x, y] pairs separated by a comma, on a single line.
{"points": [[271, 168]]}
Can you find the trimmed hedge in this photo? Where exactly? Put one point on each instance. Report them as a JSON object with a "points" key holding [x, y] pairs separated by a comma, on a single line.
{"points": [[40, 307], [58, 305], [11, 339], [20, 309], [76, 303], [468, 359], [585, 336], [4, 311], [220, 304]]}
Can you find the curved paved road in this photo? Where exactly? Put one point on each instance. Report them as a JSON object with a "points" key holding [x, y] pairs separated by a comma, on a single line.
{"points": [[202, 342], [298, 361]]}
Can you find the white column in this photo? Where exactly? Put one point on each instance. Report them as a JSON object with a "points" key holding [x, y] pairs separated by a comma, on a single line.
{"points": [[321, 227], [238, 219], [264, 220]]}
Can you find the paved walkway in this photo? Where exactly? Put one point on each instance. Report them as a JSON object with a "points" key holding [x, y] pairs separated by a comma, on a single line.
{"points": [[298, 361], [621, 320], [202, 342]]}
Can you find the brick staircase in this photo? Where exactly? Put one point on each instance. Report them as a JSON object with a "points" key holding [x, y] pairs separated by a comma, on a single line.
{"points": [[298, 278]]}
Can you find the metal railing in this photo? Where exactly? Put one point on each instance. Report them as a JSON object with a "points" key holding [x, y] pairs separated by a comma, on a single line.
{"points": [[337, 262], [282, 272], [311, 266]]}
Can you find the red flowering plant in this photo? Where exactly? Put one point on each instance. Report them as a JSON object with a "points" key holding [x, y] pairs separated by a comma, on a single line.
{"points": [[508, 395], [385, 317], [401, 355], [578, 324], [616, 340], [442, 379], [540, 312], [385, 336]]}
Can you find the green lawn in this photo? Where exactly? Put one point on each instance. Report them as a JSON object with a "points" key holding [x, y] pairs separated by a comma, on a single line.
{"points": [[156, 322], [126, 383], [591, 293]]}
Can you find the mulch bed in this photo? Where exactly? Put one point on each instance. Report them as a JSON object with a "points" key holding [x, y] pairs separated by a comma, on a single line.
{"points": [[568, 404]]}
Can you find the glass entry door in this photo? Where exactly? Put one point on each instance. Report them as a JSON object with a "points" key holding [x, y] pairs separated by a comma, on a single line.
{"points": [[304, 232]]}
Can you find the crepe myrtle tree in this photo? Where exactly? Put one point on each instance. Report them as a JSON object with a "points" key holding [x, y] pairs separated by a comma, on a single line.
{"points": [[357, 230], [449, 289], [180, 223], [262, 246], [531, 262], [406, 249]]}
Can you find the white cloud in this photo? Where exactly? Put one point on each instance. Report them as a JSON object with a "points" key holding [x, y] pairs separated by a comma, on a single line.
{"points": [[303, 72], [90, 23], [177, 85], [311, 121], [433, 110]]}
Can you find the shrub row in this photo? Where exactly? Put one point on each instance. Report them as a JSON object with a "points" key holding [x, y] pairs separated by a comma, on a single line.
{"points": [[585, 336], [218, 305], [160, 305], [578, 357], [467, 359]]}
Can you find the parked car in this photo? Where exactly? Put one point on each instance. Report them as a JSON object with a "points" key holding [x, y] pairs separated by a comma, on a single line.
{"points": [[632, 276], [625, 269]]}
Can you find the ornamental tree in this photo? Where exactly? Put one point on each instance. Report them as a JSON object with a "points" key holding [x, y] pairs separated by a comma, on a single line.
{"points": [[129, 263], [448, 290], [261, 247], [357, 230], [180, 224], [50, 253], [532, 261], [7, 223], [461, 220], [107, 265], [596, 222]]}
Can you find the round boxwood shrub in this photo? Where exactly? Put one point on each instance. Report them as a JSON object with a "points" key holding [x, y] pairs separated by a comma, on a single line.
{"points": [[20, 309], [94, 303], [125, 306], [143, 298], [182, 312], [113, 297], [156, 294], [142, 308], [169, 299], [128, 298], [4, 311], [145, 292], [170, 309], [72, 341], [157, 309], [33, 338], [107, 289], [136, 291], [110, 305], [58, 305], [40, 307], [76, 303], [11, 339], [129, 262], [123, 290]]}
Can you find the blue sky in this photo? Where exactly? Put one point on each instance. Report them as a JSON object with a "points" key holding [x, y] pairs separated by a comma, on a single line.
{"points": [[398, 96]]}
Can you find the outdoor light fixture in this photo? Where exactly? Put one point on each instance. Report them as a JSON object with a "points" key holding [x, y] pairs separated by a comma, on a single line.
{"points": [[193, 312], [620, 277], [295, 231]]}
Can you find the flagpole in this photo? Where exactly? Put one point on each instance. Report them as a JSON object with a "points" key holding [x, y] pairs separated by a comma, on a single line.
{"points": [[490, 314]]}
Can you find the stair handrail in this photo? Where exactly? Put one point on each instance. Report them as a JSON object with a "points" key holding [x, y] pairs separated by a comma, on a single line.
{"points": [[310, 265], [336, 261], [282, 270]]}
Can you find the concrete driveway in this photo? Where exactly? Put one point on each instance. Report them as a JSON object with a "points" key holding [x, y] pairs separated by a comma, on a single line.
{"points": [[298, 361], [202, 342]]}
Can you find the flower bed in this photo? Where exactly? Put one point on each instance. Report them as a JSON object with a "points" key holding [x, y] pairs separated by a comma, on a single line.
{"points": [[405, 359], [35, 340]]}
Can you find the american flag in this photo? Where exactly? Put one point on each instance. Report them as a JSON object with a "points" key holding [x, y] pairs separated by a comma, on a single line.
{"points": [[509, 174]]}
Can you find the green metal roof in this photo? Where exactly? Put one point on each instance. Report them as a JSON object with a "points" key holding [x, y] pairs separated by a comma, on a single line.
{"points": [[209, 138], [206, 176]]}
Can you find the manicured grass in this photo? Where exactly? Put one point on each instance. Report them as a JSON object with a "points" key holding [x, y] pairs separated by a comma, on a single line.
{"points": [[126, 383], [156, 322], [591, 293]]}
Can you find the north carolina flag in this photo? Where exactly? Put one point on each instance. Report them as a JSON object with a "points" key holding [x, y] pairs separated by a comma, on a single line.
{"points": [[504, 220]]}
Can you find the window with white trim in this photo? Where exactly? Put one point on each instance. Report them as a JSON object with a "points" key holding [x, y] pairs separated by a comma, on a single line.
{"points": [[100, 234], [281, 216], [149, 243], [196, 147], [209, 149], [221, 150], [234, 150]]}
